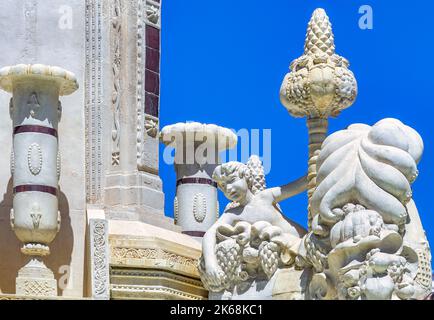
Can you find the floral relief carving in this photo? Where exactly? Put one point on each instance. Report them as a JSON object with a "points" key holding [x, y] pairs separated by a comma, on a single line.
{"points": [[153, 13], [151, 127], [121, 253]]}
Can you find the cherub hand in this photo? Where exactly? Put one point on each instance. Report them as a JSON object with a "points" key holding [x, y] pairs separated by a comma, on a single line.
{"points": [[214, 275]]}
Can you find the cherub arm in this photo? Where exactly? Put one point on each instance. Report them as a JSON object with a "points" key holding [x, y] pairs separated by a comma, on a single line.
{"points": [[289, 190], [209, 240]]}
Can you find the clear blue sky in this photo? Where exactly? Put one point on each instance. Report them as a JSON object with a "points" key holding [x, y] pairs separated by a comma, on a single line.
{"points": [[223, 63]]}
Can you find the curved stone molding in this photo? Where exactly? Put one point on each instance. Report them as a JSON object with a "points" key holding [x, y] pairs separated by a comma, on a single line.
{"points": [[154, 284], [225, 138], [66, 80], [35, 249], [199, 207], [34, 158]]}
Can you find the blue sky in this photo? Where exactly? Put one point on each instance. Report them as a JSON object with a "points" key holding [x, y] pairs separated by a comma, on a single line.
{"points": [[223, 63]]}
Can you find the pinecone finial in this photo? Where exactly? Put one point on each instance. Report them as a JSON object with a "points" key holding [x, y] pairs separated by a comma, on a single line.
{"points": [[319, 35]]}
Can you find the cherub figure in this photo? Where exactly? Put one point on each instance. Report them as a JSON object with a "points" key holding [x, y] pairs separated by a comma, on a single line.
{"points": [[261, 236]]}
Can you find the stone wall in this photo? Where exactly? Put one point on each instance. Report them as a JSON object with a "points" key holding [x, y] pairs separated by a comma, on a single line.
{"points": [[34, 32], [108, 133]]}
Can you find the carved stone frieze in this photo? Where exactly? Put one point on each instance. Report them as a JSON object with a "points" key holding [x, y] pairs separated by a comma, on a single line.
{"points": [[120, 253]]}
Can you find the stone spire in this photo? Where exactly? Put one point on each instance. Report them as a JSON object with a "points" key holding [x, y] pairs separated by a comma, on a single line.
{"points": [[318, 86]]}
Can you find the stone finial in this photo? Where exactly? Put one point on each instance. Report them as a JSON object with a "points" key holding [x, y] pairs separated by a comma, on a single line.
{"points": [[319, 35], [319, 84]]}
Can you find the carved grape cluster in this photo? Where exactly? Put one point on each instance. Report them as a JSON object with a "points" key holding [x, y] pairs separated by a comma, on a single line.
{"points": [[269, 254], [228, 255]]}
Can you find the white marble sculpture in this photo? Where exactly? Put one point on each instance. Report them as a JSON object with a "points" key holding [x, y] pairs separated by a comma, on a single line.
{"points": [[252, 239], [365, 239], [35, 110], [318, 86]]}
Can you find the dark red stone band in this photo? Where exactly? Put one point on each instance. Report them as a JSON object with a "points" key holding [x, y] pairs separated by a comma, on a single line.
{"points": [[194, 233], [197, 181], [35, 187], [36, 129]]}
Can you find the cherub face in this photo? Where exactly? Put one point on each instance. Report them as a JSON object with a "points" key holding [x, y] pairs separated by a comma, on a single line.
{"points": [[234, 188]]}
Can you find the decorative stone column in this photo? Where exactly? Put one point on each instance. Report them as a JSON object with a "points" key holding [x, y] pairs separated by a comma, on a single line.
{"points": [[196, 206], [35, 110], [319, 85]]}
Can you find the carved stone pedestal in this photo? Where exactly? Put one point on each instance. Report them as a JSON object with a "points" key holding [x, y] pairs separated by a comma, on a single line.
{"points": [[197, 154], [35, 279], [148, 262]]}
